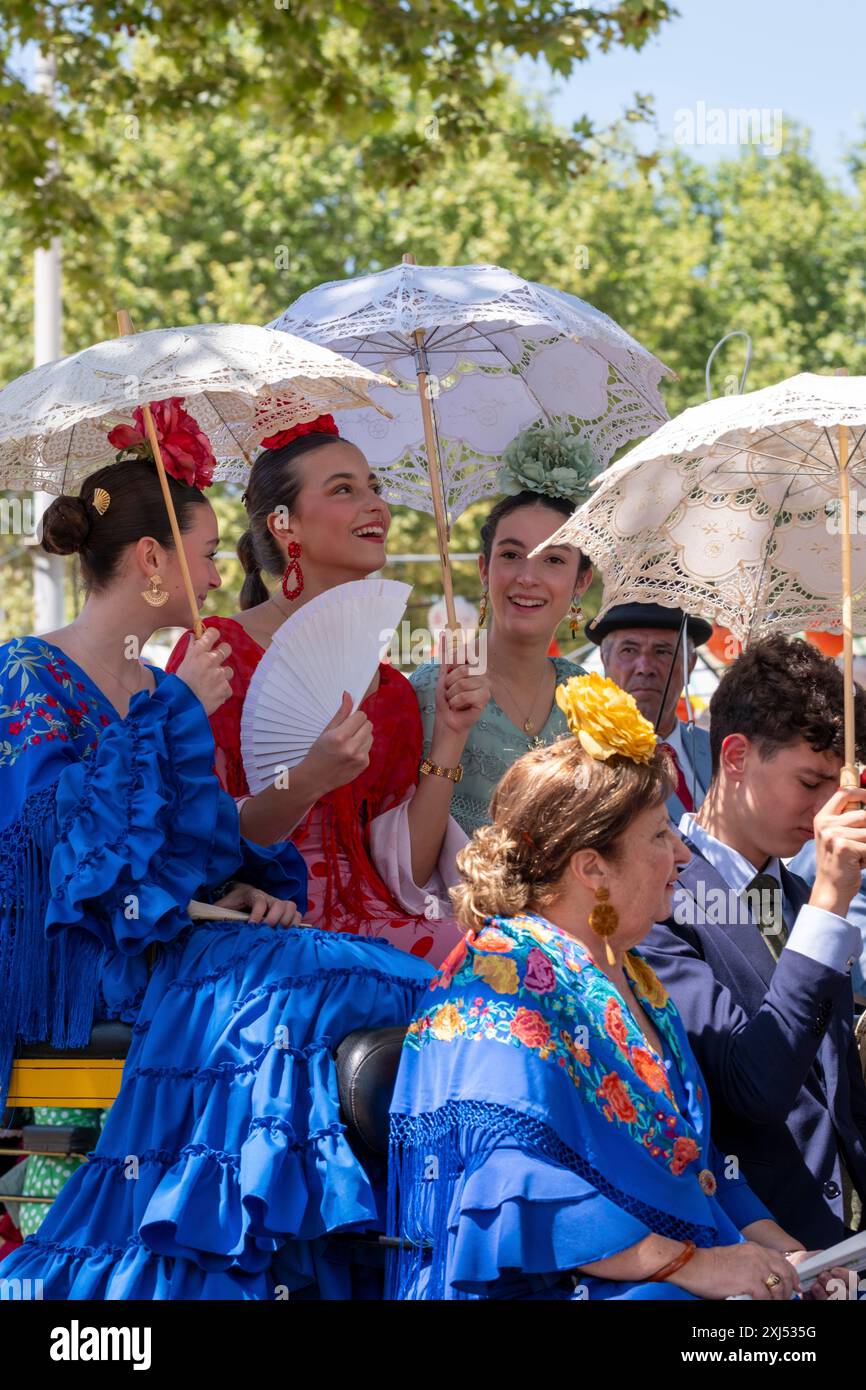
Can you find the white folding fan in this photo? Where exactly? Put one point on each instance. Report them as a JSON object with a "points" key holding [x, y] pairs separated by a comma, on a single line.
{"points": [[333, 643]]}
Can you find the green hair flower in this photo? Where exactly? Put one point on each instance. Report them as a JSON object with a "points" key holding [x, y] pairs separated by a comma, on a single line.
{"points": [[551, 460]]}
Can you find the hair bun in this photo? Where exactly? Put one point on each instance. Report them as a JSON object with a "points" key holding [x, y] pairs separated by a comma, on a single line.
{"points": [[492, 885], [66, 526]]}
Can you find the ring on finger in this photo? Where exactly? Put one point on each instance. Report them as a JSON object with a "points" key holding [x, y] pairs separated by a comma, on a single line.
{"points": [[772, 1280]]}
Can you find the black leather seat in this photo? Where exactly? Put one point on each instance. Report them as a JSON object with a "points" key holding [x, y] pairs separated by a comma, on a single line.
{"points": [[367, 1062], [108, 1040]]}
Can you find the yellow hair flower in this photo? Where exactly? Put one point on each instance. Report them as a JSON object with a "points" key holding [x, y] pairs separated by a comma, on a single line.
{"points": [[605, 720]]}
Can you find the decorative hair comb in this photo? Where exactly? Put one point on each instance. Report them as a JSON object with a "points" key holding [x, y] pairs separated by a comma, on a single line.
{"points": [[101, 500]]}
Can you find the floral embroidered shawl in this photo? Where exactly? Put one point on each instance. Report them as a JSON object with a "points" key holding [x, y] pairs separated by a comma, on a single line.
{"points": [[522, 1036]]}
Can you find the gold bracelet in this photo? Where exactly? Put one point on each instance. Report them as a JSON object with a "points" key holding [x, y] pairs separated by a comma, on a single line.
{"points": [[453, 774]]}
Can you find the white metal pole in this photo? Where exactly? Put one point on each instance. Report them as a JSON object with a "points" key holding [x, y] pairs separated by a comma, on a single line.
{"points": [[48, 570]]}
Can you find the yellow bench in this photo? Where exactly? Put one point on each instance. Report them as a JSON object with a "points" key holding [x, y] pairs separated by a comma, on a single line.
{"points": [[85, 1079], [78, 1085]]}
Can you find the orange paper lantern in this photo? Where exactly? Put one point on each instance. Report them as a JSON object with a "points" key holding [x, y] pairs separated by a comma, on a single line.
{"points": [[723, 644], [830, 643]]}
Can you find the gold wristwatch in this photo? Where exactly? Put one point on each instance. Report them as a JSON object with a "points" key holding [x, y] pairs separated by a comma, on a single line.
{"points": [[452, 773]]}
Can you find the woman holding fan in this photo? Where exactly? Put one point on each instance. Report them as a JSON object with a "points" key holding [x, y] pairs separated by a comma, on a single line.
{"points": [[379, 845]]}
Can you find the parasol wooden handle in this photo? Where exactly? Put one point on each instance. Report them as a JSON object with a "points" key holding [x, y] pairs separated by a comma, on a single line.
{"points": [[849, 776], [434, 465], [125, 327]]}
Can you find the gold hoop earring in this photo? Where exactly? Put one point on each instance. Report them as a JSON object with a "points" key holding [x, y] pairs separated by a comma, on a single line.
{"points": [[156, 595], [482, 608], [575, 616], [604, 920]]}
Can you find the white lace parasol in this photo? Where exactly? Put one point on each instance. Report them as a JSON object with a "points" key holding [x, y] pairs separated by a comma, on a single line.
{"points": [[501, 352], [240, 382], [732, 510]]}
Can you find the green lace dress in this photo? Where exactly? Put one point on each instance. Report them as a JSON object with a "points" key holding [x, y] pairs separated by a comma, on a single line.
{"points": [[492, 746]]}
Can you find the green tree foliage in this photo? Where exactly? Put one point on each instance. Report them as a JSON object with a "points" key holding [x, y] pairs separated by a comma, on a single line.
{"points": [[219, 218], [345, 68]]}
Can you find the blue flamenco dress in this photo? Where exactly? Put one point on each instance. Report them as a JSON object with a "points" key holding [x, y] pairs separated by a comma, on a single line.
{"points": [[223, 1170], [534, 1131]]}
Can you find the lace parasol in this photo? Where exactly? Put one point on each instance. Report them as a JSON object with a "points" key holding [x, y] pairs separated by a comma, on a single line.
{"points": [[240, 382], [500, 352], [748, 510]]}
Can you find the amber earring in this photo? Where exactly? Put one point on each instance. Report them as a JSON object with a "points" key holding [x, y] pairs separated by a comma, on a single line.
{"points": [[575, 616], [482, 608], [604, 920]]}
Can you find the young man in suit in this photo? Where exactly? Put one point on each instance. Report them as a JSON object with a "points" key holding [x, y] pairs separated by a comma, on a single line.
{"points": [[638, 643], [760, 966]]}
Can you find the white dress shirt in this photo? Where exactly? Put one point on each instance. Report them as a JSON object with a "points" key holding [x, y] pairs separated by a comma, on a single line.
{"points": [[822, 936]]}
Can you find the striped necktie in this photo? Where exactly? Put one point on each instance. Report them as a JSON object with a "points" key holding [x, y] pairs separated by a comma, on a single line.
{"points": [[764, 895]]}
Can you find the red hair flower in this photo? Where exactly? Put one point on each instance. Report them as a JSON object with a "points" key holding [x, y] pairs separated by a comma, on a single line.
{"points": [[185, 449], [323, 424]]}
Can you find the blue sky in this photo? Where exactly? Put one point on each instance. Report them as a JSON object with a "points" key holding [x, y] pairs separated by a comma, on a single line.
{"points": [[803, 58]]}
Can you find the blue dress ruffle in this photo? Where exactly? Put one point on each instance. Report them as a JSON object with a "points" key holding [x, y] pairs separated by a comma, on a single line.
{"points": [[226, 1140], [519, 1225], [223, 1170]]}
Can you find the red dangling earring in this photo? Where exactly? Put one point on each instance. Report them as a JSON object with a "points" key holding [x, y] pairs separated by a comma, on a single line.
{"points": [[293, 565]]}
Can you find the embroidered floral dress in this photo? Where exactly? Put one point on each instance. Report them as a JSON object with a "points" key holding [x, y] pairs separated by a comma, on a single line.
{"points": [[534, 1130], [355, 840], [494, 743], [223, 1165]]}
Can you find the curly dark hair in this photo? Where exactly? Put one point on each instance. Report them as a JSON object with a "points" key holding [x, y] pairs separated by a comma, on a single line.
{"points": [[781, 690]]}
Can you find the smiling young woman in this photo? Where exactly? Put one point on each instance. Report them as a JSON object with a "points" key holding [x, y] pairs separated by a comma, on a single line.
{"points": [[379, 843], [526, 600]]}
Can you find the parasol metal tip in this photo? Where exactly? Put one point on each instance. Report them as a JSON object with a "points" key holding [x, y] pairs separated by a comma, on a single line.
{"points": [[124, 323], [408, 258]]}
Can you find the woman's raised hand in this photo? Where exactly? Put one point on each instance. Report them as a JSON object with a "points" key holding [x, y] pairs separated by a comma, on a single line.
{"points": [[461, 691], [204, 671], [342, 750], [731, 1269]]}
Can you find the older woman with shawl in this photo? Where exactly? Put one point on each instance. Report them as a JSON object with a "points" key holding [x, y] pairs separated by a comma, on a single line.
{"points": [[550, 1126]]}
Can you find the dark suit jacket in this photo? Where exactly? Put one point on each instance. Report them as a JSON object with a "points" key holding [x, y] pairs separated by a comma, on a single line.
{"points": [[774, 1042]]}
